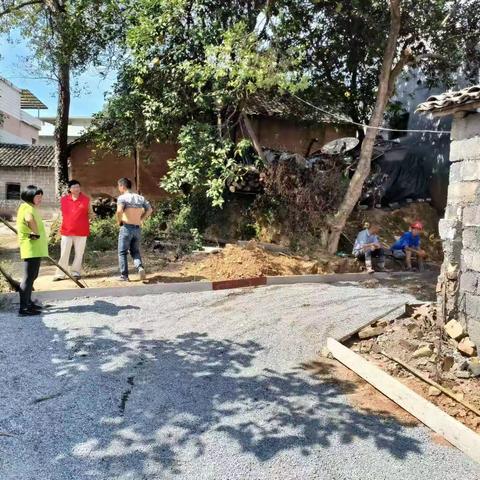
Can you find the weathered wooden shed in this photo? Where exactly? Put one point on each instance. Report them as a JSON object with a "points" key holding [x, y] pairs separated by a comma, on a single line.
{"points": [[459, 281]]}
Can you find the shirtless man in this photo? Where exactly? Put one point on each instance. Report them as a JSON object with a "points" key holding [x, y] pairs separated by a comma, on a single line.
{"points": [[132, 211]]}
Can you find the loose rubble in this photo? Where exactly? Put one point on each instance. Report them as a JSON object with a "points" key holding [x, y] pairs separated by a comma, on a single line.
{"points": [[443, 353]]}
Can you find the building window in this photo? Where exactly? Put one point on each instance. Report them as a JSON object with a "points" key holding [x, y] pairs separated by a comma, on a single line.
{"points": [[13, 191]]}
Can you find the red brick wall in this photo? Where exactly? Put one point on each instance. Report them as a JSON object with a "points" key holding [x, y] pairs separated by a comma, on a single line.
{"points": [[98, 175], [296, 136]]}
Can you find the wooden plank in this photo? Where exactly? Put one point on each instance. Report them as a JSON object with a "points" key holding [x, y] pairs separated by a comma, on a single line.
{"points": [[452, 430], [239, 283]]}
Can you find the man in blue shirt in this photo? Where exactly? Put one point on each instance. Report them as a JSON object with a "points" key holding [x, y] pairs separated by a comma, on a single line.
{"points": [[408, 245], [368, 246]]}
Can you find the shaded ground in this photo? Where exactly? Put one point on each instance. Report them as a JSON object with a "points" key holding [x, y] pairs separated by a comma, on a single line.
{"points": [[212, 385]]}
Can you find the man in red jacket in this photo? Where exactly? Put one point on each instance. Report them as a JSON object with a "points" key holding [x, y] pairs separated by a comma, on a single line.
{"points": [[75, 229]]}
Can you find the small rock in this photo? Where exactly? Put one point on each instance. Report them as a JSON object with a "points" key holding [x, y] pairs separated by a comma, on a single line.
{"points": [[366, 347], [474, 367], [326, 353], [447, 363], [376, 348], [460, 395], [370, 332], [462, 374], [434, 392], [382, 323], [424, 351], [475, 422], [462, 413], [467, 347], [407, 345], [454, 329]]}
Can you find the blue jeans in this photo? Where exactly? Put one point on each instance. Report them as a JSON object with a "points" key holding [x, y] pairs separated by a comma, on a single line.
{"points": [[129, 241]]}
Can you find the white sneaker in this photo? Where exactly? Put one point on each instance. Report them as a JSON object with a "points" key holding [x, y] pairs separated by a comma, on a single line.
{"points": [[370, 270], [142, 274]]}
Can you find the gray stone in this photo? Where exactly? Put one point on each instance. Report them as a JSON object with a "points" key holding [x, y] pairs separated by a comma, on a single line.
{"points": [[472, 259], [462, 374], [456, 172], [453, 212], [471, 238], [465, 128], [470, 170], [463, 192], [449, 229], [465, 149], [471, 216], [453, 251], [469, 281]]}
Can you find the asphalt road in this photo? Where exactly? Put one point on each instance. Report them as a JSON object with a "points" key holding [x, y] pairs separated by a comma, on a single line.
{"points": [[199, 386]]}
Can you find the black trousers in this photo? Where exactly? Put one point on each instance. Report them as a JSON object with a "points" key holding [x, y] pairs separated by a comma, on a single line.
{"points": [[31, 267]]}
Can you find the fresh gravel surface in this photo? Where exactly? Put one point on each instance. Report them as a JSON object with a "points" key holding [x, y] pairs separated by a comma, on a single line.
{"points": [[199, 386]]}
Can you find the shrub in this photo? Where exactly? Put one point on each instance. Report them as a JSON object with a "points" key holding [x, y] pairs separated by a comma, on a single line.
{"points": [[103, 234]]}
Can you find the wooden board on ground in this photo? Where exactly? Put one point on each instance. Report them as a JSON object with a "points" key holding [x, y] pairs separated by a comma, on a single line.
{"points": [[452, 430]]}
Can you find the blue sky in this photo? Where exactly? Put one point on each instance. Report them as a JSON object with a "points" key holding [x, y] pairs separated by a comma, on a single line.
{"points": [[92, 86]]}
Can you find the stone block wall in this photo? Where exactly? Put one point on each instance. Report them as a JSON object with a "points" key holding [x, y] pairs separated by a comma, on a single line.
{"points": [[459, 281]]}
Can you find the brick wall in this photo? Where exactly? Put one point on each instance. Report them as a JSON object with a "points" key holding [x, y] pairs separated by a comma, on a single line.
{"points": [[41, 177], [459, 282], [99, 174]]}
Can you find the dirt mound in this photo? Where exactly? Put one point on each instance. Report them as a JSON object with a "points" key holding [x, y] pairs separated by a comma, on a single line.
{"points": [[252, 261]]}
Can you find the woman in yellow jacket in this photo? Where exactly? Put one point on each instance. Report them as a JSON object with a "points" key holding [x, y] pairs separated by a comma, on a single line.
{"points": [[33, 246]]}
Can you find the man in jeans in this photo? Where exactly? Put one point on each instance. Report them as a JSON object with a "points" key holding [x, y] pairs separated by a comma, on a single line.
{"points": [[132, 211]]}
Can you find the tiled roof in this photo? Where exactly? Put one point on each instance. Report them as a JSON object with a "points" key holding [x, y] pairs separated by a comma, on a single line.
{"points": [[450, 100], [288, 107], [12, 155]]}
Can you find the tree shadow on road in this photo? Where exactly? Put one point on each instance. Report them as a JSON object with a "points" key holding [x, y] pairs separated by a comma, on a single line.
{"points": [[179, 391], [149, 406]]}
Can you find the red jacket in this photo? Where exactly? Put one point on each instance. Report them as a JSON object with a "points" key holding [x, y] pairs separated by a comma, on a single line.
{"points": [[75, 220]]}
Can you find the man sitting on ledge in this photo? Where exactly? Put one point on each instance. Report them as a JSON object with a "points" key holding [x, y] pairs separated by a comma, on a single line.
{"points": [[408, 246], [368, 246]]}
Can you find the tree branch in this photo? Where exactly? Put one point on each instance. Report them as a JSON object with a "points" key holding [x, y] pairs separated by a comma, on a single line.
{"points": [[14, 8]]}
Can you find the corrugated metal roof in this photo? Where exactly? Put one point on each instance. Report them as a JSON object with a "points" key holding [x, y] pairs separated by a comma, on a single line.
{"points": [[29, 101], [450, 100], [12, 155]]}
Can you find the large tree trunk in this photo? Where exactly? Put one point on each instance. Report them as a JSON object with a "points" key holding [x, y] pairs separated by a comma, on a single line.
{"points": [[61, 128], [337, 223]]}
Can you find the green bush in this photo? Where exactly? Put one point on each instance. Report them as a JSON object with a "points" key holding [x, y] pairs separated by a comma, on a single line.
{"points": [[103, 234]]}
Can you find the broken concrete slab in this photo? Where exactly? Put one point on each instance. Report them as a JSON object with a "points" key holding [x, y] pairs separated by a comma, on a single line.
{"points": [[369, 332], [454, 329], [467, 347]]}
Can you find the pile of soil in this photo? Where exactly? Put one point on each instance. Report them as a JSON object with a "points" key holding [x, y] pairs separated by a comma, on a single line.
{"points": [[417, 341], [252, 261], [393, 223]]}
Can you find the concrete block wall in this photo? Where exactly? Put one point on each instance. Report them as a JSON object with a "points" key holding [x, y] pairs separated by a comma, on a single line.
{"points": [[459, 281], [42, 177]]}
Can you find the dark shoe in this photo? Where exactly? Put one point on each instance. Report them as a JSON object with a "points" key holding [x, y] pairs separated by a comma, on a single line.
{"points": [[28, 312], [121, 278], [35, 306]]}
